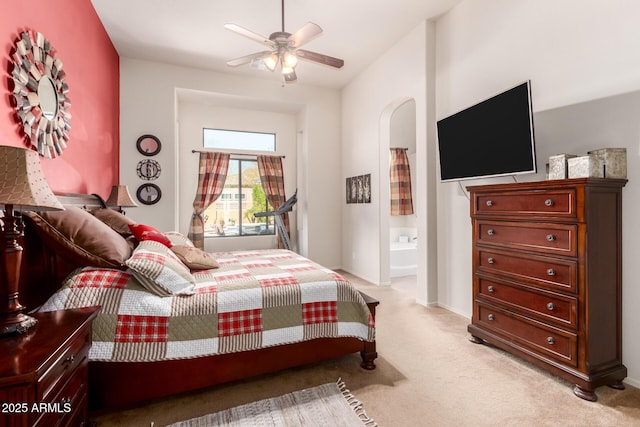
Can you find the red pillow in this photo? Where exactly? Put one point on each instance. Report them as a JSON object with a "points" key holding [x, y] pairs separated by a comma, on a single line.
{"points": [[147, 232]]}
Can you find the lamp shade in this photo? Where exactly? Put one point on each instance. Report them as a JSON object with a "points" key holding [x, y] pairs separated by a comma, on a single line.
{"points": [[120, 197], [22, 182]]}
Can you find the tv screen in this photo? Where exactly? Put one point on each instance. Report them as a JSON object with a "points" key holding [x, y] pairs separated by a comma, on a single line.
{"points": [[491, 138]]}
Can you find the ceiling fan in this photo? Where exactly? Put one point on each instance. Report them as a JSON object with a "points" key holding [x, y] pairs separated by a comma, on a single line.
{"points": [[284, 49]]}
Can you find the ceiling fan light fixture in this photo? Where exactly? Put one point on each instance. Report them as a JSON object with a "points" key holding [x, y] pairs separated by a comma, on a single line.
{"points": [[284, 49], [271, 61], [286, 69], [290, 59]]}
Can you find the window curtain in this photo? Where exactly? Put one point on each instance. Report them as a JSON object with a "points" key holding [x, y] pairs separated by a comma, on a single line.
{"points": [[212, 173], [272, 177], [400, 179]]}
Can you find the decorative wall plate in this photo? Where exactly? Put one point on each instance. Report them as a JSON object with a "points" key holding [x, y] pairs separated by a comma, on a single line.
{"points": [[148, 169], [40, 94], [149, 194], [148, 145]]}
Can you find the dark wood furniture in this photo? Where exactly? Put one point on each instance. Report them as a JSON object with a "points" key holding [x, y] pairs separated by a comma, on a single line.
{"points": [[119, 384], [547, 276], [43, 373]]}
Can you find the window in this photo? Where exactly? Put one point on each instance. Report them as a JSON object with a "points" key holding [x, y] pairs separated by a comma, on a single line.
{"points": [[233, 213], [239, 140]]}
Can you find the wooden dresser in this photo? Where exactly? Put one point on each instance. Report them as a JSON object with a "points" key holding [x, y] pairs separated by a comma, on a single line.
{"points": [[547, 276], [43, 373]]}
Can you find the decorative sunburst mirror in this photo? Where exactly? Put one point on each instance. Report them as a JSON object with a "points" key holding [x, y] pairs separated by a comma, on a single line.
{"points": [[40, 94]]}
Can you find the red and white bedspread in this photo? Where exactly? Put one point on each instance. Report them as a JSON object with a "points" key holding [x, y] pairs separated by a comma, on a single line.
{"points": [[255, 299]]}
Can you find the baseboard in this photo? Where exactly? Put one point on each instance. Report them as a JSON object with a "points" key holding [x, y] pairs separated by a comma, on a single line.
{"points": [[458, 312], [632, 382]]}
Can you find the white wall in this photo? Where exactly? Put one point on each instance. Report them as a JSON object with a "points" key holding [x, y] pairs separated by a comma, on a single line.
{"points": [[398, 75], [581, 56], [149, 105]]}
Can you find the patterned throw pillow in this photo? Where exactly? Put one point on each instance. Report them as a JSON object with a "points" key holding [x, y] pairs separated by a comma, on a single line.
{"points": [[147, 232], [178, 238], [194, 258], [159, 270]]}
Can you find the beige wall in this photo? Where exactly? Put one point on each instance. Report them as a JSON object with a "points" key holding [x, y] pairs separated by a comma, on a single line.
{"points": [[149, 94]]}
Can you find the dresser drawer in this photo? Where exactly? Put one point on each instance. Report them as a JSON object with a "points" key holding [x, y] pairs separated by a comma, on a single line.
{"points": [[526, 203], [50, 384], [69, 405], [550, 273], [547, 306], [538, 337], [544, 238]]}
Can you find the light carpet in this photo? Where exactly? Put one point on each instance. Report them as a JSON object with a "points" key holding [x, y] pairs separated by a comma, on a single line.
{"points": [[329, 404]]}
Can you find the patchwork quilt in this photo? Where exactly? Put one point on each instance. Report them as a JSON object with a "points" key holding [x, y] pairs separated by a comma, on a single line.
{"points": [[254, 299]]}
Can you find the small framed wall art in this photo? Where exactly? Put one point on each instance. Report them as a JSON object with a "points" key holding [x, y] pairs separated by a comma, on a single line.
{"points": [[358, 189], [148, 169]]}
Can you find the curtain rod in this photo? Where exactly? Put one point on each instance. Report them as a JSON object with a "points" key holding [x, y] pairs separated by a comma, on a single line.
{"points": [[233, 154]]}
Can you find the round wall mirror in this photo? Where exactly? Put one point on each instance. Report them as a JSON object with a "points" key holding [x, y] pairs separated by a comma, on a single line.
{"points": [[148, 145], [40, 94], [149, 194], [48, 97]]}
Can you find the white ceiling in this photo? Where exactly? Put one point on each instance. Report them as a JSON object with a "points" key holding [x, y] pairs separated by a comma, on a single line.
{"points": [[191, 33]]}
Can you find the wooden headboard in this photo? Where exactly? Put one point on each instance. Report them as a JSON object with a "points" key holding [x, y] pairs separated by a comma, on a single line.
{"points": [[44, 270]]}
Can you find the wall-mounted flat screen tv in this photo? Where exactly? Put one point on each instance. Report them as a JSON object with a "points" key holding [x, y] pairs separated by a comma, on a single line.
{"points": [[491, 138]]}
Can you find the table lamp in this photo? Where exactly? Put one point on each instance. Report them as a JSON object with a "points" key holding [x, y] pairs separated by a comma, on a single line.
{"points": [[22, 185], [120, 198]]}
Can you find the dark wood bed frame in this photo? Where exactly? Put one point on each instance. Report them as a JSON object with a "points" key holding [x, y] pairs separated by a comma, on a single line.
{"points": [[120, 384]]}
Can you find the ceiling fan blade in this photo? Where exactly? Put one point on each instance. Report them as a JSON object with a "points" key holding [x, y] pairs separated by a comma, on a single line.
{"points": [[307, 55], [250, 34], [246, 59], [290, 77], [305, 34]]}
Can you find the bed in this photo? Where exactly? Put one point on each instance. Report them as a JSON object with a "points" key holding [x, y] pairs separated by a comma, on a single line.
{"points": [[251, 313]]}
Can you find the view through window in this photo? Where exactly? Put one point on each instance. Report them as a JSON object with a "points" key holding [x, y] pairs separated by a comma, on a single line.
{"points": [[239, 140], [233, 213]]}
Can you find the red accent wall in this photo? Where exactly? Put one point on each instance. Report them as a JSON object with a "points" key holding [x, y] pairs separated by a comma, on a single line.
{"points": [[90, 164]]}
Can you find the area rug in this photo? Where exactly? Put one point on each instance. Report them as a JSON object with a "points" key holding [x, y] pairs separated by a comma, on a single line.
{"points": [[329, 404]]}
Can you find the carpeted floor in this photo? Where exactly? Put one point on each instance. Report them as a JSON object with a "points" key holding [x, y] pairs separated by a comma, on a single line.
{"points": [[429, 374]]}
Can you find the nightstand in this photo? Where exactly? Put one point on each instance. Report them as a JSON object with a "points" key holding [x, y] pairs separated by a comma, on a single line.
{"points": [[43, 373]]}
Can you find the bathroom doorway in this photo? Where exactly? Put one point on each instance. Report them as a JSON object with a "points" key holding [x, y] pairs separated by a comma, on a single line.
{"points": [[399, 235]]}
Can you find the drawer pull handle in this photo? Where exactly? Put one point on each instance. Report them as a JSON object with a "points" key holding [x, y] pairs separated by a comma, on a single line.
{"points": [[491, 289], [491, 232], [551, 306], [551, 237], [551, 272], [489, 203], [491, 260], [548, 202], [491, 317], [551, 340], [70, 359]]}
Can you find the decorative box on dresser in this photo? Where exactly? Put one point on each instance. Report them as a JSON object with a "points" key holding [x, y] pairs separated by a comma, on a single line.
{"points": [[43, 372], [547, 276]]}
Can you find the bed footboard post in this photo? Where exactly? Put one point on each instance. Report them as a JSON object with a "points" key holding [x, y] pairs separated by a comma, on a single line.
{"points": [[369, 353]]}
